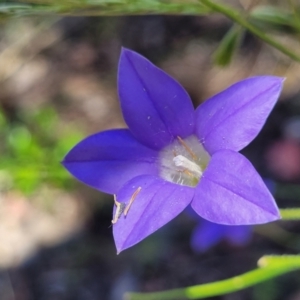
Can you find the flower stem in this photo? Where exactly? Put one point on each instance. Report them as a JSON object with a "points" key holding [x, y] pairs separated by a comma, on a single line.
{"points": [[269, 267], [237, 17], [290, 213]]}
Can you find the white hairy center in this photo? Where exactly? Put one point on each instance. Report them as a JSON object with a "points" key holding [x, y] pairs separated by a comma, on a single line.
{"points": [[183, 161]]}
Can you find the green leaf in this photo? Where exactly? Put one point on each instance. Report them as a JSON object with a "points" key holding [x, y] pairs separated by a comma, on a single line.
{"points": [[239, 18], [273, 16], [226, 49]]}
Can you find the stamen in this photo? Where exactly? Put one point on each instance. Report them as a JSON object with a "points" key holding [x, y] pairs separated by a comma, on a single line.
{"points": [[187, 148], [120, 209], [188, 173], [126, 210]]}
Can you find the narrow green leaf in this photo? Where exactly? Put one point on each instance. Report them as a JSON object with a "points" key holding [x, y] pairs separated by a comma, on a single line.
{"points": [[238, 17], [226, 49], [271, 14]]}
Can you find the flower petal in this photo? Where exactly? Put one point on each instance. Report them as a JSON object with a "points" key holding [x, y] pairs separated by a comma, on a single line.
{"points": [[231, 192], [206, 235], [157, 203], [234, 117], [155, 107], [108, 159]]}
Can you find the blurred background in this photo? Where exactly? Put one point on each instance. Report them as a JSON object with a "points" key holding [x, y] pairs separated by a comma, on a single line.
{"points": [[58, 85]]}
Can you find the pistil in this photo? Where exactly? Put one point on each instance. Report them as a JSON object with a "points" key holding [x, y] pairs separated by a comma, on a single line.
{"points": [[184, 163]]}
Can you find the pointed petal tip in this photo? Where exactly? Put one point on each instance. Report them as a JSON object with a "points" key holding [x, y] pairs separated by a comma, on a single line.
{"points": [[265, 80], [279, 80], [127, 52], [270, 78], [124, 50], [277, 216], [247, 103], [64, 163], [274, 216], [157, 203], [268, 219], [229, 199], [155, 106], [120, 247], [276, 81]]}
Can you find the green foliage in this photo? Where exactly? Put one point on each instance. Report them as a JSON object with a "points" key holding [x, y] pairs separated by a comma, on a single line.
{"points": [[31, 150], [241, 18], [103, 7], [227, 47], [264, 14], [275, 18]]}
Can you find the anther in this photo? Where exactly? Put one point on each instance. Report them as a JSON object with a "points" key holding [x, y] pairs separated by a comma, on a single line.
{"points": [[188, 173], [187, 148], [126, 210], [120, 209]]}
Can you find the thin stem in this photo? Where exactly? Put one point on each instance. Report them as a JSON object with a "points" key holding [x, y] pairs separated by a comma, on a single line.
{"points": [[290, 213], [270, 266], [237, 17]]}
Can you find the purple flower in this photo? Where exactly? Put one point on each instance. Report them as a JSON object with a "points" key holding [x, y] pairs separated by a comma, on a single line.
{"points": [[208, 234], [172, 156]]}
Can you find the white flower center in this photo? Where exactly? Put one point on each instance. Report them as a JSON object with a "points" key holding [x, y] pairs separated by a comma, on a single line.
{"points": [[183, 161]]}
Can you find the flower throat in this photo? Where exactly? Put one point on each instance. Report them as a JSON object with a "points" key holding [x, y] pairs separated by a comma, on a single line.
{"points": [[183, 161]]}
